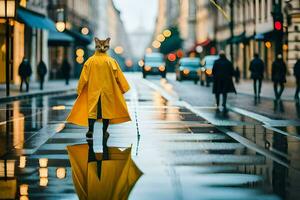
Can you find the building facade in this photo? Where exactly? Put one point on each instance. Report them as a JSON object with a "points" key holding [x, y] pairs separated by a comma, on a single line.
{"points": [[253, 31]]}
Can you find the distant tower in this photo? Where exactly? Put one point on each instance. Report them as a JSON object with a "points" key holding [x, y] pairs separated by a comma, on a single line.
{"points": [[139, 39]]}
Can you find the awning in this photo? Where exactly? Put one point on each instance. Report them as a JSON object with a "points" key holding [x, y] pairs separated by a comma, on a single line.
{"points": [[80, 38], [265, 36], [56, 38], [34, 20], [237, 39]]}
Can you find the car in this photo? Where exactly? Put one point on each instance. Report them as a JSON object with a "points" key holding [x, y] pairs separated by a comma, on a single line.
{"points": [[154, 64], [187, 69], [205, 73]]}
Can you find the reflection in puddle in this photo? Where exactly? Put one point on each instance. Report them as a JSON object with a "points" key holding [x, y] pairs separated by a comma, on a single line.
{"points": [[108, 175]]}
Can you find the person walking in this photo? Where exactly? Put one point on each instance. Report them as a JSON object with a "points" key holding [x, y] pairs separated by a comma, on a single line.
{"points": [[279, 72], [66, 68], [223, 72], [24, 73], [297, 77], [42, 71], [257, 68], [237, 74], [100, 92]]}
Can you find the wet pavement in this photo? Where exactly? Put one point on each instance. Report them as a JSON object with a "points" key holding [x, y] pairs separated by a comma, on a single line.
{"points": [[184, 151]]}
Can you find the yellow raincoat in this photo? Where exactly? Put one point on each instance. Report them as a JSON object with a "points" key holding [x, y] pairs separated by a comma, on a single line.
{"points": [[118, 174], [101, 79]]}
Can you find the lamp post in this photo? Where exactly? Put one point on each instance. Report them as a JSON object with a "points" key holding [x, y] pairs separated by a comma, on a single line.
{"points": [[7, 11]]}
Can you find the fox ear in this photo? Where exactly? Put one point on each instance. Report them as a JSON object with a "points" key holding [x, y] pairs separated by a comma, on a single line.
{"points": [[96, 39], [107, 39]]}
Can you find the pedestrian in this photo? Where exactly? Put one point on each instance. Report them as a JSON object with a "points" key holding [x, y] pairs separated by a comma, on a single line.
{"points": [[257, 68], [279, 72], [100, 92], [223, 72], [297, 76], [237, 74], [66, 68], [24, 73], [42, 71]]}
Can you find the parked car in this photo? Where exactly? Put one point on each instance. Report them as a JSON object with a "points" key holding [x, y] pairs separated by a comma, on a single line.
{"points": [[205, 73], [187, 69], [154, 64]]}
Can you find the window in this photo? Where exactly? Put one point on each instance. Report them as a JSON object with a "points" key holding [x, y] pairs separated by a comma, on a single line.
{"points": [[266, 9]]}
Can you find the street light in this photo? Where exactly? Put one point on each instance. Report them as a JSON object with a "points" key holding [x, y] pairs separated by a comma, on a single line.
{"points": [[7, 11]]}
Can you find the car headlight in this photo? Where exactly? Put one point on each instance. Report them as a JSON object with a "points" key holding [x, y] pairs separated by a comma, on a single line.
{"points": [[161, 68], [186, 71], [147, 68]]}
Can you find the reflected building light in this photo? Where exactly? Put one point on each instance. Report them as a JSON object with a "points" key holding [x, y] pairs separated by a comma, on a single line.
{"points": [[85, 31], [24, 198], [7, 168], [268, 44], [60, 26], [156, 44], [167, 33], [199, 49], [43, 162], [148, 50], [61, 173], [18, 126], [160, 38], [23, 189], [79, 60], [22, 163], [141, 63], [58, 107], [43, 182], [43, 172], [80, 52], [128, 62], [119, 50]]}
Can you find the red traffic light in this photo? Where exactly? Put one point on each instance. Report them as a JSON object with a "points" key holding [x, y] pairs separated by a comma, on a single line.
{"points": [[278, 25]]}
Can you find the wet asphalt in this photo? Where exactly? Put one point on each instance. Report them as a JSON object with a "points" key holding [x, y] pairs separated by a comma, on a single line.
{"points": [[185, 150]]}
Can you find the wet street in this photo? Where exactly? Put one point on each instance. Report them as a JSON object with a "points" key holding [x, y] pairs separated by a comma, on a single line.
{"points": [[181, 146]]}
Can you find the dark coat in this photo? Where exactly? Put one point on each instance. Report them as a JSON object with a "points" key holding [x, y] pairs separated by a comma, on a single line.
{"points": [[66, 68], [257, 68], [223, 72], [279, 71], [297, 69], [25, 69], [42, 69]]}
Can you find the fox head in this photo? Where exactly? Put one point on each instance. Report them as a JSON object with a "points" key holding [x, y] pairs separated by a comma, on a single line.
{"points": [[102, 45]]}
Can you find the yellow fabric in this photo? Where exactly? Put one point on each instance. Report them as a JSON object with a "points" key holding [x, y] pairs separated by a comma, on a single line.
{"points": [[8, 189], [101, 77], [118, 174]]}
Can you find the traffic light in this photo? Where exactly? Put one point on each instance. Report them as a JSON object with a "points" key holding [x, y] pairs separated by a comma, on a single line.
{"points": [[278, 21], [278, 25], [278, 28]]}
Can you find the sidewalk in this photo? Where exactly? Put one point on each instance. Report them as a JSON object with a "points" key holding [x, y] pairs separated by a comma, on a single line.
{"points": [[246, 87], [50, 87]]}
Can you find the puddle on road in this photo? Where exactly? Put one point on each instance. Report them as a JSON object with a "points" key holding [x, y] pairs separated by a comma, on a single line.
{"points": [[187, 161]]}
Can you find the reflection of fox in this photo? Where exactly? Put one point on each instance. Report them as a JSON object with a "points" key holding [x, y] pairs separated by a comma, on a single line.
{"points": [[100, 91]]}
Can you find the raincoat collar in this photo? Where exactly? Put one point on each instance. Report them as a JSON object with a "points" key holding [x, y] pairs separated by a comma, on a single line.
{"points": [[97, 53]]}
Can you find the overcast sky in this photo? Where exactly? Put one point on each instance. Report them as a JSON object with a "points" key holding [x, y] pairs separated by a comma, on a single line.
{"points": [[136, 12]]}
